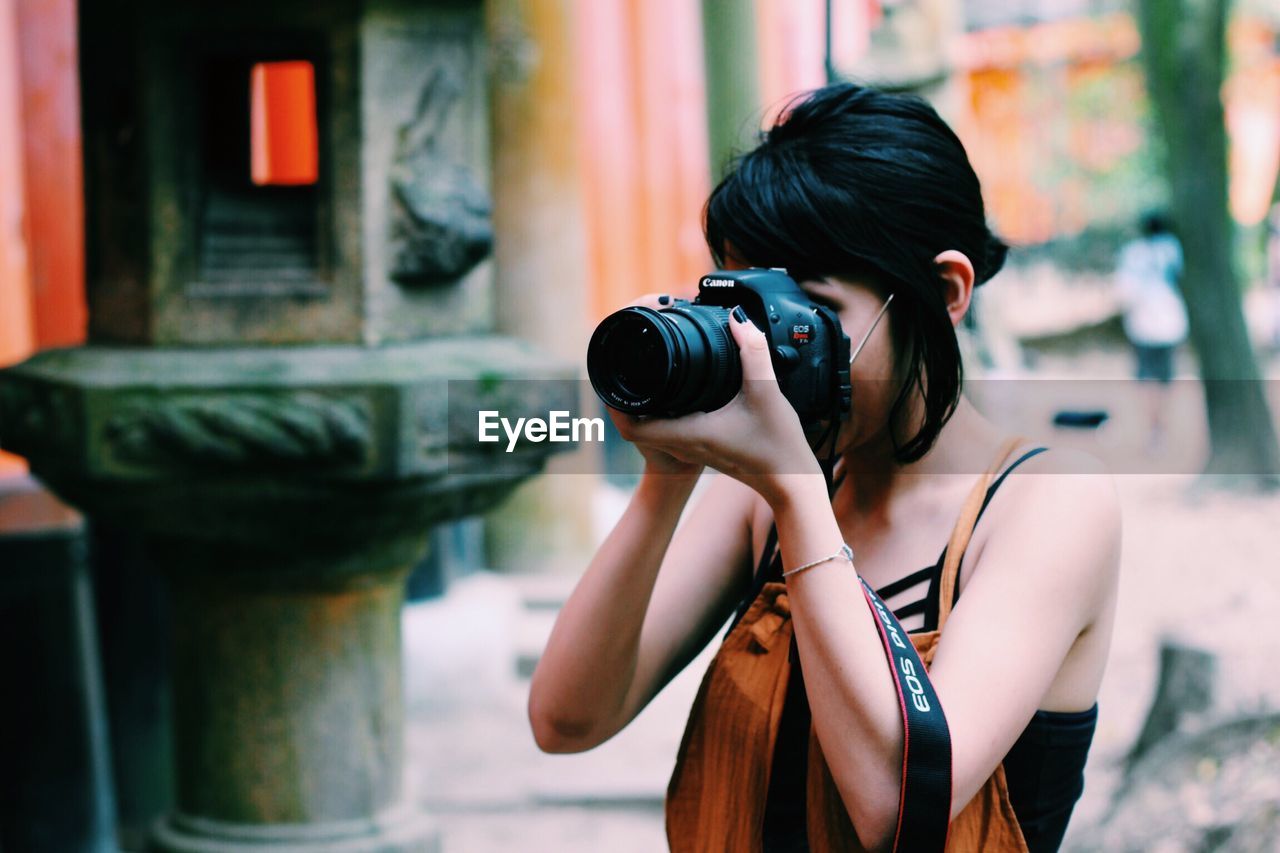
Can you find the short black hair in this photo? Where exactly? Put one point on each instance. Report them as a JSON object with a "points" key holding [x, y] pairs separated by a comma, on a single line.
{"points": [[855, 182]]}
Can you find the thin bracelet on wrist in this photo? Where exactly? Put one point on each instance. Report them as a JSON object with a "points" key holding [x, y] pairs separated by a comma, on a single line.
{"points": [[845, 553]]}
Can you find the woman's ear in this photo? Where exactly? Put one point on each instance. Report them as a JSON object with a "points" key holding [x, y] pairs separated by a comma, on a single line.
{"points": [[957, 273]]}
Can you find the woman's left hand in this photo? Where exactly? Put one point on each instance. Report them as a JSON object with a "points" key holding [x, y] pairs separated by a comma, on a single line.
{"points": [[755, 438]]}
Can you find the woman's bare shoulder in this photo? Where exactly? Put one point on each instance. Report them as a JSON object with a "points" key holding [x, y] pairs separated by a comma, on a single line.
{"points": [[1069, 486], [1065, 496]]}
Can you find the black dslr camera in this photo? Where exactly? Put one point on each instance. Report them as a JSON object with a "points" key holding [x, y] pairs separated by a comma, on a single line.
{"points": [[683, 359]]}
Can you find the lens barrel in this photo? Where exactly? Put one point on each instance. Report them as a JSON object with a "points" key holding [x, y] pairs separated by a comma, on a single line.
{"points": [[670, 362]]}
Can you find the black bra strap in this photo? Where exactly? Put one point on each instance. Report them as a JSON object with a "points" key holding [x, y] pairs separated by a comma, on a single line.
{"points": [[910, 609], [767, 568], [1007, 471], [904, 584]]}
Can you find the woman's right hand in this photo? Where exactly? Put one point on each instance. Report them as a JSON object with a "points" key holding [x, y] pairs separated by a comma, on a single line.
{"points": [[657, 461]]}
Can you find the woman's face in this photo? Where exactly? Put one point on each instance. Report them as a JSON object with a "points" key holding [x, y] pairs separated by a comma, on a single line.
{"points": [[872, 373]]}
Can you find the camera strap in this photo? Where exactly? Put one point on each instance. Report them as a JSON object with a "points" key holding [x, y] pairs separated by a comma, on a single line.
{"points": [[924, 799]]}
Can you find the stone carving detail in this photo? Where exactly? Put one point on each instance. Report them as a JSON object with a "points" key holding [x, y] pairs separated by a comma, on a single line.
{"points": [[440, 213], [246, 431], [30, 421]]}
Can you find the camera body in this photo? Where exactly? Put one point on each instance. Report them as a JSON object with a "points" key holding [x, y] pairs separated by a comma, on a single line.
{"points": [[683, 359]]}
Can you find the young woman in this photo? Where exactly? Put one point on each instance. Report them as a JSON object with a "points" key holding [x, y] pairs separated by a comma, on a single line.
{"points": [[796, 739]]}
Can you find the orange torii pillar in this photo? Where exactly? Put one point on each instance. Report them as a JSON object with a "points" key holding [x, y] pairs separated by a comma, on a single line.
{"points": [[42, 301], [642, 138], [50, 116], [17, 339]]}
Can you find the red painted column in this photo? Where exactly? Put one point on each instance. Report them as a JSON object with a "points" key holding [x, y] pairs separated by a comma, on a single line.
{"points": [[643, 147], [50, 115], [16, 336], [608, 154], [672, 152], [791, 40]]}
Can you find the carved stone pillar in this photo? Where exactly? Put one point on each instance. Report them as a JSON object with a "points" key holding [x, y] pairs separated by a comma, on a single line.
{"points": [[283, 490]]}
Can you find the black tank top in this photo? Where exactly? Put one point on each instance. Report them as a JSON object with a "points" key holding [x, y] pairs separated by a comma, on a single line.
{"points": [[1044, 769]]}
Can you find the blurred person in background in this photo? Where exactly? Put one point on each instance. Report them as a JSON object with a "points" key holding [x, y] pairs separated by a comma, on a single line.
{"points": [[1154, 317], [796, 738]]}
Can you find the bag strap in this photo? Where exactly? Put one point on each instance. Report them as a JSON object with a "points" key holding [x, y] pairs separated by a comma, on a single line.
{"points": [[963, 530]]}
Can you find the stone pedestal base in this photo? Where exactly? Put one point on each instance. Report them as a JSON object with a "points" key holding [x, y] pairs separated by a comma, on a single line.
{"points": [[284, 494], [288, 713], [401, 830], [133, 638]]}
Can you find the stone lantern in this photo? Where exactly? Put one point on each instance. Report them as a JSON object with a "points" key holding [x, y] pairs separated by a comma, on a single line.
{"points": [[288, 233]]}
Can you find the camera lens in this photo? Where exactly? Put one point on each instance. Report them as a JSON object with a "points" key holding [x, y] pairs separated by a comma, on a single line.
{"points": [[631, 358], [668, 362], [637, 358]]}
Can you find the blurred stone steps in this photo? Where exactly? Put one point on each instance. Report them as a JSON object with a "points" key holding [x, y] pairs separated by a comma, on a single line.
{"points": [[532, 631], [541, 597], [470, 654], [630, 770]]}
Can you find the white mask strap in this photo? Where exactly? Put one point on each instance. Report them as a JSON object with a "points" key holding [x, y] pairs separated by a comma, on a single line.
{"points": [[874, 323]]}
